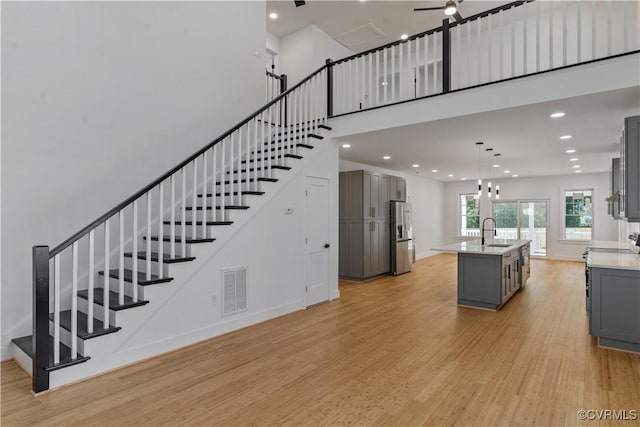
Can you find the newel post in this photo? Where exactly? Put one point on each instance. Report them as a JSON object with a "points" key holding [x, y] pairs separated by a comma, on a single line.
{"points": [[40, 335], [446, 56], [329, 88]]}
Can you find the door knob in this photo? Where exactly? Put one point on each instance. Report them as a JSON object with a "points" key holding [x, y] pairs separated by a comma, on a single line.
{"points": [[326, 245]]}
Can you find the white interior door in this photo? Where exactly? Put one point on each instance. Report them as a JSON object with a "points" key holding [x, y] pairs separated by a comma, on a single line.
{"points": [[317, 240]]}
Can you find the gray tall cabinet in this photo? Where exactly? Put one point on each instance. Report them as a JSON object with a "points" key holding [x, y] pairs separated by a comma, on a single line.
{"points": [[364, 234]]}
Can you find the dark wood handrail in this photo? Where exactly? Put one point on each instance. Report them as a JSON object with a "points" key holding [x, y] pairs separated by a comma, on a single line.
{"points": [[435, 30], [77, 236]]}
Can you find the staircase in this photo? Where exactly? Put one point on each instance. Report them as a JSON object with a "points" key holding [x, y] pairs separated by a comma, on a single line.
{"points": [[99, 288]]}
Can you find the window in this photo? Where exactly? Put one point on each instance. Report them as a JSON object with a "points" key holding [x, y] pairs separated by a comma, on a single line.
{"points": [[469, 215], [578, 214]]}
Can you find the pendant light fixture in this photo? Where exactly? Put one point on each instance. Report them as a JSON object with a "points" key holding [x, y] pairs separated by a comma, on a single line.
{"points": [[489, 150], [497, 186], [479, 144]]}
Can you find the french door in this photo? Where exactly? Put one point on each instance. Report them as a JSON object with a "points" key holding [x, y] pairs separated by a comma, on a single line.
{"points": [[523, 220]]}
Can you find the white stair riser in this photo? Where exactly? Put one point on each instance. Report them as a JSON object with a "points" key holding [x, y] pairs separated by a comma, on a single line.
{"points": [[98, 310], [65, 338], [142, 265]]}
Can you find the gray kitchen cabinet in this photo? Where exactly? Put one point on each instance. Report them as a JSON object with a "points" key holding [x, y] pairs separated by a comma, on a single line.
{"points": [[364, 233], [630, 170], [614, 307], [397, 188], [613, 207]]}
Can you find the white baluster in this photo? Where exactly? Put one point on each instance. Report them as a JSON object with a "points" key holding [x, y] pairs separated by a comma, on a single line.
{"points": [[467, 27], [456, 67], [513, 42], [105, 288], [255, 150], [593, 29], [194, 199], [524, 38], [269, 141], [435, 61], [489, 44], [384, 74], [91, 282], [161, 228], [609, 28], [204, 195], [479, 41], [393, 73], [564, 33], [120, 258], [401, 63], [74, 301], [415, 65], [579, 30], [370, 86], [537, 36], [223, 175], [160, 238], [56, 309], [135, 251], [214, 169], [172, 219], [426, 64], [550, 35], [183, 214]]}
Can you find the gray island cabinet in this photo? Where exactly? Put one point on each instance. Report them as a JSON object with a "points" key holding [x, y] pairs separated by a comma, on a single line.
{"points": [[489, 275]]}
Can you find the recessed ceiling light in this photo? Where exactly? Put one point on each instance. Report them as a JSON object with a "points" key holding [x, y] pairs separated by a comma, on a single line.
{"points": [[450, 175], [273, 15], [575, 166], [386, 157], [434, 170], [556, 115], [507, 171], [346, 145], [578, 171], [515, 175], [384, 83], [404, 36], [575, 159], [495, 166], [565, 137], [570, 151], [416, 166], [463, 179]]}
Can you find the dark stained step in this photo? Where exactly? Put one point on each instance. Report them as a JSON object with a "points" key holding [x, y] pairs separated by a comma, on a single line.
{"points": [[235, 193], [324, 127], [189, 240], [26, 344], [114, 304], [235, 181], [282, 148], [281, 167], [199, 208], [298, 137], [166, 258], [83, 330], [290, 156], [142, 277]]}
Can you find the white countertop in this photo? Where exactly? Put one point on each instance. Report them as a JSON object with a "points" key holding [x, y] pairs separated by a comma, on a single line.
{"points": [[475, 247], [609, 245], [619, 260]]}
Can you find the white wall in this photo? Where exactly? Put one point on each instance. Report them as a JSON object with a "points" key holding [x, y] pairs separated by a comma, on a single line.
{"points": [[427, 199], [306, 50], [273, 45], [99, 99], [549, 188]]}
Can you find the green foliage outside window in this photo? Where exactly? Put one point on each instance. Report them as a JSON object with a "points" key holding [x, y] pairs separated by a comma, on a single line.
{"points": [[473, 217], [578, 212]]}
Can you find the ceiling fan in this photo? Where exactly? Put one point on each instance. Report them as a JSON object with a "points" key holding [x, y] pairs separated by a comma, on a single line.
{"points": [[450, 9]]}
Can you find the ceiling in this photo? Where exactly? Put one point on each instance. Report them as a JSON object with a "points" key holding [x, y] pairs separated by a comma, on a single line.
{"points": [[526, 137], [340, 19]]}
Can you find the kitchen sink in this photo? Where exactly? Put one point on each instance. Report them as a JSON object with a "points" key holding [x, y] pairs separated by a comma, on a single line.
{"points": [[499, 245]]}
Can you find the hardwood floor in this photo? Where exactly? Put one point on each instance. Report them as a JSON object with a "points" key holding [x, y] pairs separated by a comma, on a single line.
{"points": [[393, 351]]}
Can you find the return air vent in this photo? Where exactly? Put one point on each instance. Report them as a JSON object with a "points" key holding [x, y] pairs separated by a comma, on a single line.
{"points": [[362, 34], [234, 290]]}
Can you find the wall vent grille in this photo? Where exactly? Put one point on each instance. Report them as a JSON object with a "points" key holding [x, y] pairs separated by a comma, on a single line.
{"points": [[234, 290]]}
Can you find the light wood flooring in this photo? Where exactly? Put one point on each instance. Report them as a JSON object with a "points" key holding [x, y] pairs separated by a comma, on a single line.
{"points": [[391, 352]]}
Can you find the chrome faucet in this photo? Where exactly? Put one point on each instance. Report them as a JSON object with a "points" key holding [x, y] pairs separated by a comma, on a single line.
{"points": [[495, 232]]}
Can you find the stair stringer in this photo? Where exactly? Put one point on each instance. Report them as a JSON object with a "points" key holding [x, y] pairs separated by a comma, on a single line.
{"points": [[263, 238]]}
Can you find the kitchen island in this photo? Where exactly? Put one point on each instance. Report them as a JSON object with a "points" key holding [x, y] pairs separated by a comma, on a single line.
{"points": [[490, 274]]}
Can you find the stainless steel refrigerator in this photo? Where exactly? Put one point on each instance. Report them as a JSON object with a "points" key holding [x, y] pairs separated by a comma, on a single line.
{"points": [[402, 248]]}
